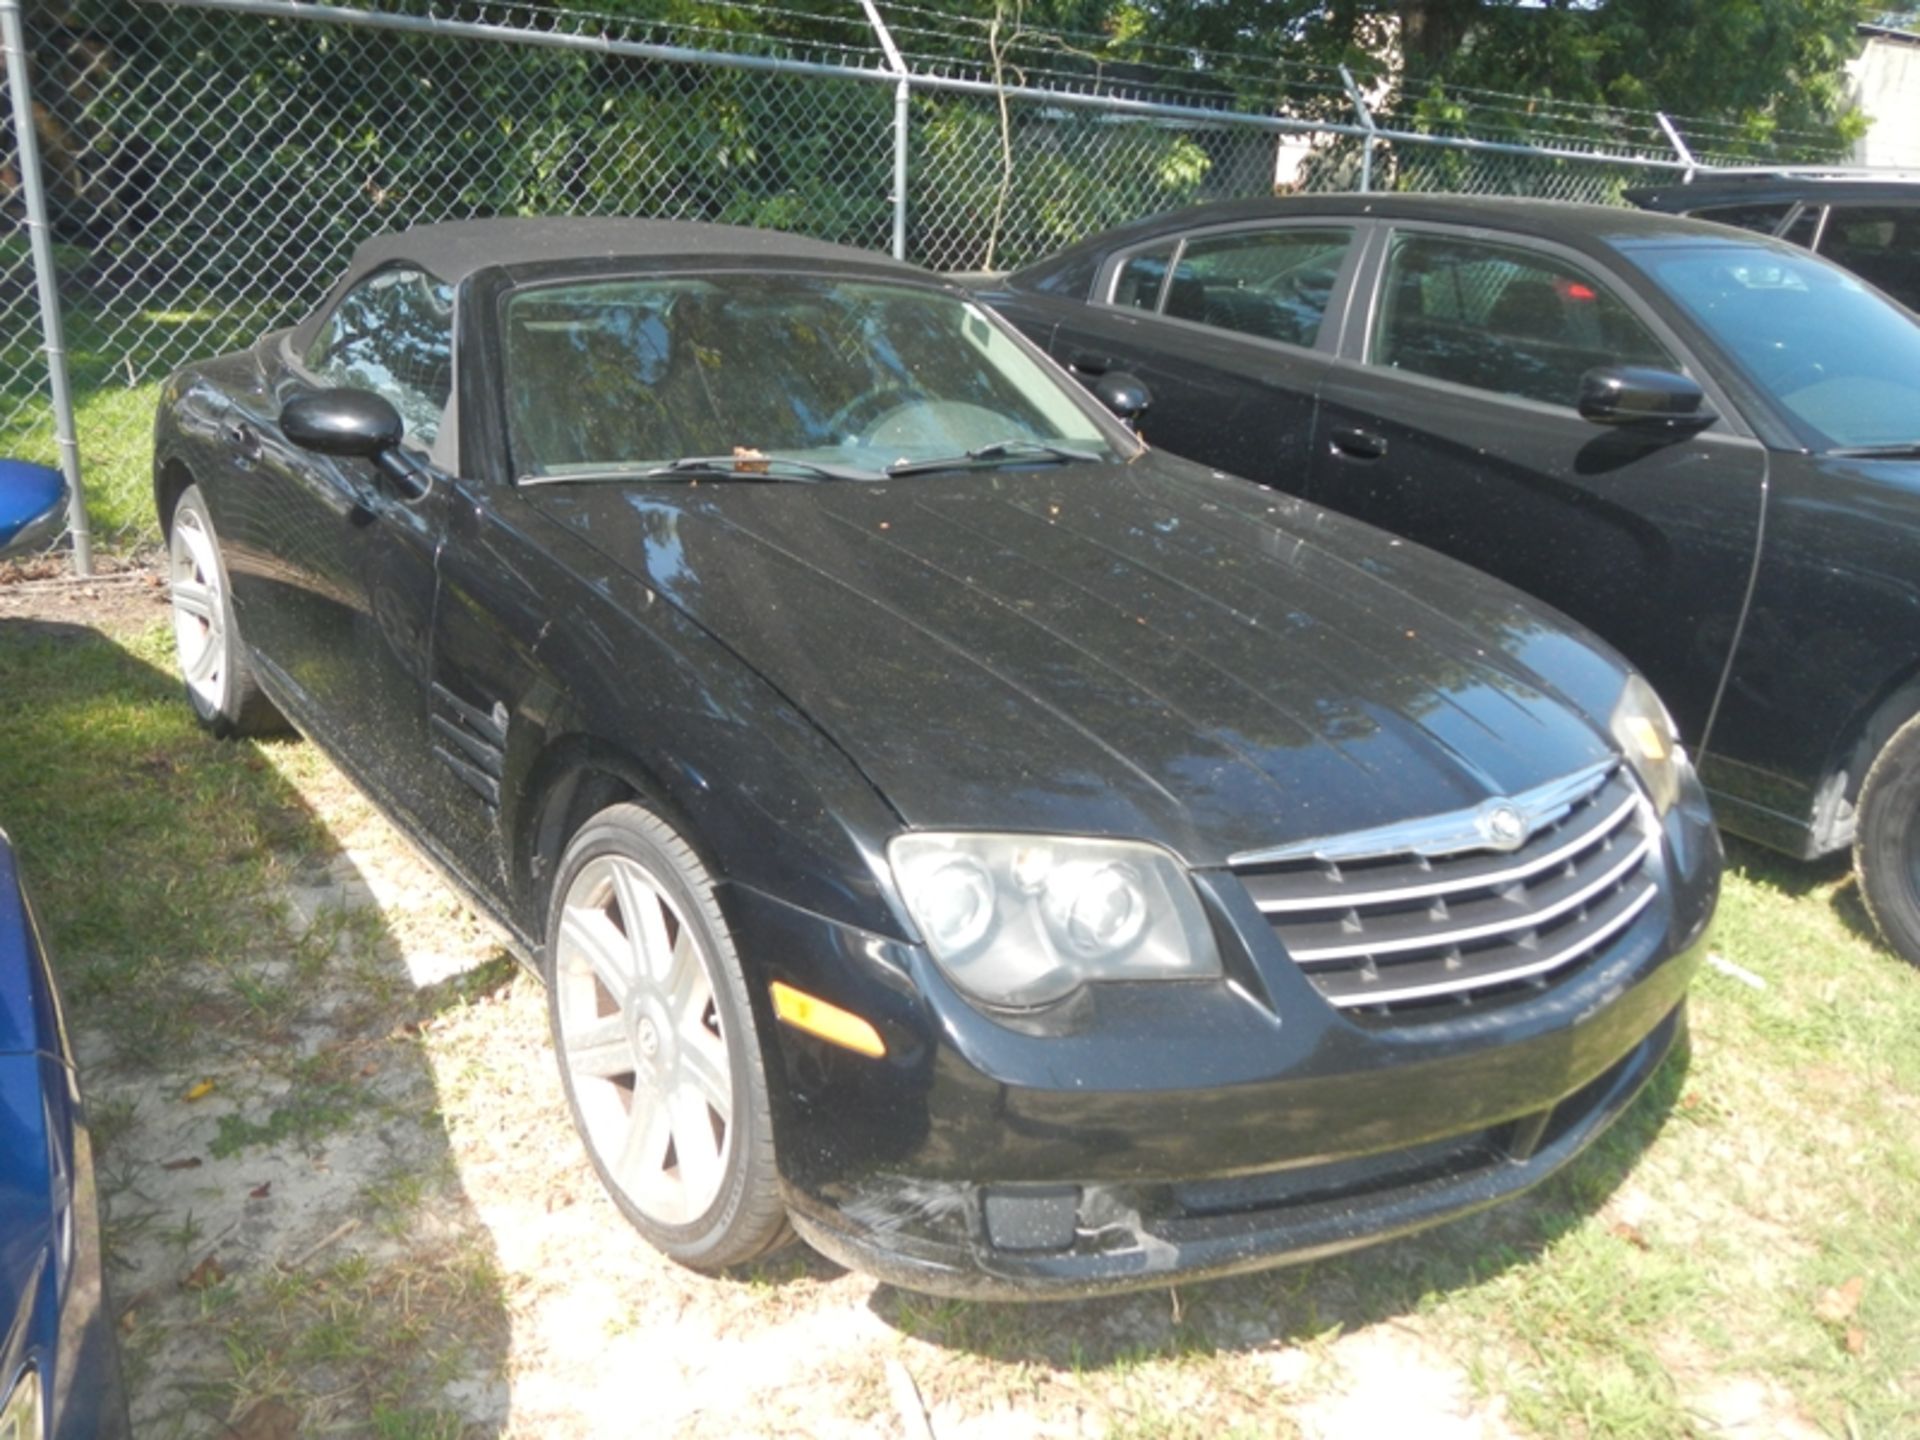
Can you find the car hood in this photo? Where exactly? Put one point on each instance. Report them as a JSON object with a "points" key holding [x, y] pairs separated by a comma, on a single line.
{"points": [[1146, 649]]}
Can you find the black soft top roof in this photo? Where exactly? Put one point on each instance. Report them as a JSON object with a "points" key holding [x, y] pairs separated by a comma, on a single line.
{"points": [[460, 248], [455, 250]]}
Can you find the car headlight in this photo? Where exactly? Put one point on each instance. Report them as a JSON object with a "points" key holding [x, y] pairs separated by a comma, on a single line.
{"points": [[20, 1419], [1023, 920], [1645, 733]]}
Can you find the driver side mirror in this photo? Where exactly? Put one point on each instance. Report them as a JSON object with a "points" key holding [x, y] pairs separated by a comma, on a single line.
{"points": [[1636, 397], [354, 424], [1125, 395]]}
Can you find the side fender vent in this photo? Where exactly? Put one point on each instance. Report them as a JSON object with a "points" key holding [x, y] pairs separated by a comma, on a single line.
{"points": [[469, 741]]}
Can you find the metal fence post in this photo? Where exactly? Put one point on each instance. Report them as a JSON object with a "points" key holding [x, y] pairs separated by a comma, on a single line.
{"points": [[1679, 146], [902, 113], [1366, 123], [40, 236]]}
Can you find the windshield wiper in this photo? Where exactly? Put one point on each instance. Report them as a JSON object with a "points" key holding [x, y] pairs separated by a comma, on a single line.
{"points": [[1001, 452], [727, 467], [1908, 450]]}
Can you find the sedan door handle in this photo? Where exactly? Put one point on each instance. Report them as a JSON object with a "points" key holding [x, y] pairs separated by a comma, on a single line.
{"points": [[1357, 444]]}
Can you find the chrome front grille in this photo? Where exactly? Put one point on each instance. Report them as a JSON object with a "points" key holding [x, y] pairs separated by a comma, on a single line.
{"points": [[1434, 913]]}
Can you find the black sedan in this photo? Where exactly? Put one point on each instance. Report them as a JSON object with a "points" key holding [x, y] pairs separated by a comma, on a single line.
{"points": [[1702, 444], [1029, 864]]}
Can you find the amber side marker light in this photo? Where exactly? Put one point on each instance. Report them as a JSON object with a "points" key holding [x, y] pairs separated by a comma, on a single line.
{"points": [[816, 1017]]}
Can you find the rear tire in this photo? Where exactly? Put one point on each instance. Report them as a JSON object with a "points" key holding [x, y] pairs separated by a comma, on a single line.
{"points": [[214, 661], [659, 1055], [1886, 846]]}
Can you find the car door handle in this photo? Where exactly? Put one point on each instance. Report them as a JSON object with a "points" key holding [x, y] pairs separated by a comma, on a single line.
{"points": [[1088, 363], [1358, 444], [245, 439]]}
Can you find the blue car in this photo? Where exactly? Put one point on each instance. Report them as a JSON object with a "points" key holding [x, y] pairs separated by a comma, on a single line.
{"points": [[33, 507], [59, 1366]]}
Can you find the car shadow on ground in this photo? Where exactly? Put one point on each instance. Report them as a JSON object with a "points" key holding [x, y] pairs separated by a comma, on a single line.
{"points": [[1296, 1304], [291, 1248]]}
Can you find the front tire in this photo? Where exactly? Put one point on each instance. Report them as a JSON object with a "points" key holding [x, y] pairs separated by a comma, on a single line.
{"points": [[1886, 847], [226, 699], [659, 1055]]}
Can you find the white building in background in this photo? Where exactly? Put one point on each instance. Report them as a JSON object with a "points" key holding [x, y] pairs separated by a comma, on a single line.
{"points": [[1886, 85]]}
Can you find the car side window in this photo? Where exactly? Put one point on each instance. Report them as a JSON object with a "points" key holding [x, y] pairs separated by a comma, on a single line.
{"points": [[1805, 226], [1501, 318], [1275, 284], [1762, 219], [1880, 243], [393, 334], [1137, 287]]}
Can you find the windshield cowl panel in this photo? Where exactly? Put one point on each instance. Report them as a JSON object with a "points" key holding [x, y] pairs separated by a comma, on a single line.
{"points": [[774, 376]]}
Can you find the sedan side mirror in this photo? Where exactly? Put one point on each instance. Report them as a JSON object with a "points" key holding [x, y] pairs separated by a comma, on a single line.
{"points": [[353, 424], [1125, 395], [1641, 398]]}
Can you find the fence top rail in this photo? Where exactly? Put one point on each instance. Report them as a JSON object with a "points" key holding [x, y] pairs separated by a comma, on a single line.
{"points": [[885, 51], [875, 67]]}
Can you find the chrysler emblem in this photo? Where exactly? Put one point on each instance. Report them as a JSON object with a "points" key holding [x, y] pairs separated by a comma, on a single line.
{"points": [[1502, 825]]}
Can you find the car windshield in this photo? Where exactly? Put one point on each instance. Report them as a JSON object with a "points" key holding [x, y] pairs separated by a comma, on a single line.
{"points": [[835, 378], [1839, 360]]}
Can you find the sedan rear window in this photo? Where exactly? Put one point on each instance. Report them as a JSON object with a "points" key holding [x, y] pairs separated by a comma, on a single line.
{"points": [[1274, 284], [1841, 362], [638, 372]]}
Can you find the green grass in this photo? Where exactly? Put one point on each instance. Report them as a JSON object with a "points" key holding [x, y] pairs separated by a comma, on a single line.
{"points": [[153, 854], [113, 402], [147, 846]]}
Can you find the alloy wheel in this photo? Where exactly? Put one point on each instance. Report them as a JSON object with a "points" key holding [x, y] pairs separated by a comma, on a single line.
{"points": [[199, 610], [643, 1041]]}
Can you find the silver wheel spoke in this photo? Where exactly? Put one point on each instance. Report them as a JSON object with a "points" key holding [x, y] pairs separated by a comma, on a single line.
{"points": [[646, 917], [703, 1070], [696, 1146], [588, 934], [600, 1049], [642, 1163], [193, 598], [681, 969]]}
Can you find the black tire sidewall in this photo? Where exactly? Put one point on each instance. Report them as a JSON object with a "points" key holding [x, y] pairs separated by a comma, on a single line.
{"points": [[737, 1225], [1882, 851]]}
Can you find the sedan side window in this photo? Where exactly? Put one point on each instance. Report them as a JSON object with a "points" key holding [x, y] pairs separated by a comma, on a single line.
{"points": [[1275, 284], [1503, 319], [1879, 242], [1763, 219], [393, 334], [1137, 287]]}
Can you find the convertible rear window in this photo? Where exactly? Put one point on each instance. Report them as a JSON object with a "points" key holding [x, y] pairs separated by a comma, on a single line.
{"points": [[641, 371]]}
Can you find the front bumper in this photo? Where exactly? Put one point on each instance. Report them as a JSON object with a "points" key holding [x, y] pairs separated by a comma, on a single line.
{"points": [[1024, 1242], [1155, 1132]]}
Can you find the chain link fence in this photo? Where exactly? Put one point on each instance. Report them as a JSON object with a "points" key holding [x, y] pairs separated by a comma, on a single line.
{"points": [[207, 165]]}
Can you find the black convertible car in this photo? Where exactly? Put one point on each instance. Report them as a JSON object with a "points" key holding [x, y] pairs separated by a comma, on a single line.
{"points": [[1030, 864], [1703, 444]]}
